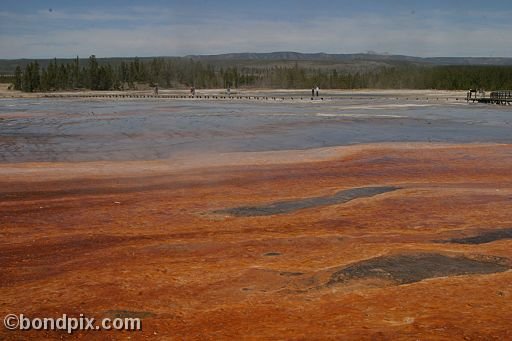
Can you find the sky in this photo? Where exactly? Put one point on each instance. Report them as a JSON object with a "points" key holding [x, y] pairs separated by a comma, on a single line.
{"points": [[434, 28]]}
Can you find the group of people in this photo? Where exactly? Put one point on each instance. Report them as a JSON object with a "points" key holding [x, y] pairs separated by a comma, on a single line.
{"points": [[314, 91]]}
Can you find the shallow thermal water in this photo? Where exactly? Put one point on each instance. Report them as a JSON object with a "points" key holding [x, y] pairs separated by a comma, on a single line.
{"points": [[290, 206], [88, 130], [410, 268]]}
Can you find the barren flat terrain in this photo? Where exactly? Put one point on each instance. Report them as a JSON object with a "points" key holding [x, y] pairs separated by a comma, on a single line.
{"points": [[347, 219]]}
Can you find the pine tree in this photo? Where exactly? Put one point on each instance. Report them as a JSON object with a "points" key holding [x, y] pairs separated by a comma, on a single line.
{"points": [[44, 80], [35, 76], [93, 71], [26, 84], [76, 74], [17, 78]]}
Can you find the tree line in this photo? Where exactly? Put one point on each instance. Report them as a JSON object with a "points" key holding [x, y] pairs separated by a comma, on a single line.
{"points": [[183, 72]]}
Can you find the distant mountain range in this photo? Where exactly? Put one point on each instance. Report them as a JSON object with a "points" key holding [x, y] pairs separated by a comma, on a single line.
{"points": [[348, 62], [326, 57]]}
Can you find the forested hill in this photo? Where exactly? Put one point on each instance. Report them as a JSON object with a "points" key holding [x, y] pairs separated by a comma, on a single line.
{"points": [[339, 62], [201, 72], [369, 57]]}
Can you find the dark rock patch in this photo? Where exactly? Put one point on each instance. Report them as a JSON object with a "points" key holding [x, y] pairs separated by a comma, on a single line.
{"points": [[128, 314], [410, 268], [288, 206], [272, 254], [483, 238], [290, 274]]}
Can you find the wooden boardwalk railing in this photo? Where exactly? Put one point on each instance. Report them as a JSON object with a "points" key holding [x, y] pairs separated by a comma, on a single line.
{"points": [[503, 97]]}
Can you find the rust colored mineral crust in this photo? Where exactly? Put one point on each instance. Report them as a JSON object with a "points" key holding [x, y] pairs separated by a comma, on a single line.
{"points": [[425, 256]]}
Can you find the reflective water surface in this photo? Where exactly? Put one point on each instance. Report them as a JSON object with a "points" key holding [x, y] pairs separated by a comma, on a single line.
{"points": [[89, 130]]}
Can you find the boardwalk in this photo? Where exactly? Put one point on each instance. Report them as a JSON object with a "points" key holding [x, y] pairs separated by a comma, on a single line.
{"points": [[503, 97]]}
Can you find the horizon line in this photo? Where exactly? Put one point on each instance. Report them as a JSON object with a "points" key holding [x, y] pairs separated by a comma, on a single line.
{"points": [[368, 53]]}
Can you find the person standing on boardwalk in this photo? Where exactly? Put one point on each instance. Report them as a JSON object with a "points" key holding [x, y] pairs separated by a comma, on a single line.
{"points": [[317, 89], [312, 92], [156, 89]]}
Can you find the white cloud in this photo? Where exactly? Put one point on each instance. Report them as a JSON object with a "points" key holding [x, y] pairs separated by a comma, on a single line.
{"points": [[159, 32]]}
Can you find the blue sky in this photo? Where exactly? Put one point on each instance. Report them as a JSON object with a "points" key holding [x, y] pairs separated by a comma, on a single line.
{"points": [[41, 29]]}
